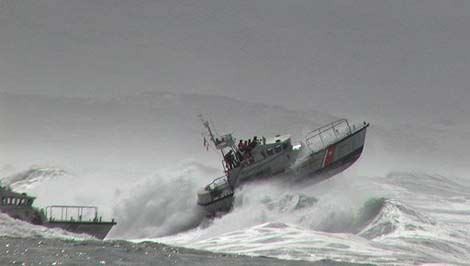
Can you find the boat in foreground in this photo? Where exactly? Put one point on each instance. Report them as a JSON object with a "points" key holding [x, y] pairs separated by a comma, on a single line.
{"points": [[325, 152], [76, 219]]}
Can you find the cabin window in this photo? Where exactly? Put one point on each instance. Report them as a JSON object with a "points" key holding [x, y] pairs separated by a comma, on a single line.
{"points": [[4, 201], [22, 202], [278, 148], [269, 152]]}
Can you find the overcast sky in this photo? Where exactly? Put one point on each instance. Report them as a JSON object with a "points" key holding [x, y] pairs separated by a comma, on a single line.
{"points": [[300, 53]]}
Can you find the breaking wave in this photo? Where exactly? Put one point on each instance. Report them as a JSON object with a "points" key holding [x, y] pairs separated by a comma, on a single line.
{"points": [[334, 219], [162, 204], [11, 227], [382, 231], [341, 222], [33, 176], [317, 222], [394, 216]]}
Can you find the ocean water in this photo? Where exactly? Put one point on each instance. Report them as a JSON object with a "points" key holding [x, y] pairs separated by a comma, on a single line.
{"points": [[411, 219], [406, 201]]}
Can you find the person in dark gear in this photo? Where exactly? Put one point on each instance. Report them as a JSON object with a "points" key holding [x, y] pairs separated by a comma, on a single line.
{"points": [[229, 159], [240, 146], [239, 157], [254, 142]]}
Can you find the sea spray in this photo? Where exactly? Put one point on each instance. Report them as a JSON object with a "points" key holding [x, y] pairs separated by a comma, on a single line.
{"points": [[162, 204]]}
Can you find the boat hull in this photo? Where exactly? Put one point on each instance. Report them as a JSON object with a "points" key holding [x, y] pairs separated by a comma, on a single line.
{"points": [[95, 229], [333, 159], [19, 206]]}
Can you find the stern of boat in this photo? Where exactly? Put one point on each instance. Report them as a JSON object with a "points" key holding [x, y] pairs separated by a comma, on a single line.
{"points": [[334, 148]]}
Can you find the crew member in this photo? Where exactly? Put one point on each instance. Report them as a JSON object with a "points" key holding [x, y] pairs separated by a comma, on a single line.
{"points": [[229, 159], [240, 146]]}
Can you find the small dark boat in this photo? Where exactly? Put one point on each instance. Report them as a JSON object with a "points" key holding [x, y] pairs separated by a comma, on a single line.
{"points": [[76, 219]]}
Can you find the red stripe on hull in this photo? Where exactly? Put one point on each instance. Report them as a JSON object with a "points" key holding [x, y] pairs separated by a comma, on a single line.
{"points": [[329, 156]]}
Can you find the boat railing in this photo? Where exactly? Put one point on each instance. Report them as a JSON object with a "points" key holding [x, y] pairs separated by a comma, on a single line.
{"points": [[72, 213], [328, 134]]}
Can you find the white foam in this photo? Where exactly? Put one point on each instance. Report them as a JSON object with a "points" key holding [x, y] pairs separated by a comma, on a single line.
{"points": [[16, 228]]}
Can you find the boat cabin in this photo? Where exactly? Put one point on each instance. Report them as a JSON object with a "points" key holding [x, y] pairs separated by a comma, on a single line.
{"points": [[277, 144], [256, 151], [11, 199]]}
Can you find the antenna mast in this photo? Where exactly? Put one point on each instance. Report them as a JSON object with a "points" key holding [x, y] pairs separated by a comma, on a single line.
{"points": [[207, 126]]}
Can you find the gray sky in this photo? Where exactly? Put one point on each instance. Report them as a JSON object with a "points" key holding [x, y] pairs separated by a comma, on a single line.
{"points": [[357, 56]]}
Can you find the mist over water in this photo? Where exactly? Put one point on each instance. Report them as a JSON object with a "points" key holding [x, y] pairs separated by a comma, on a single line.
{"points": [[141, 161]]}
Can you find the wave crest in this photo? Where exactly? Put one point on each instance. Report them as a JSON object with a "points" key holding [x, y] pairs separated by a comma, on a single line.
{"points": [[33, 176], [395, 216], [162, 204]]}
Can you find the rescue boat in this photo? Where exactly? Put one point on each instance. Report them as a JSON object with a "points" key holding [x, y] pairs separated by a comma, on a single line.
{"points": [[325, 152]]}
